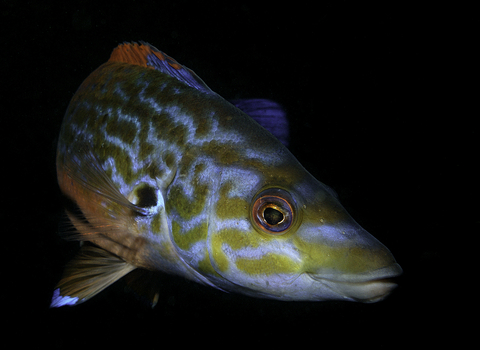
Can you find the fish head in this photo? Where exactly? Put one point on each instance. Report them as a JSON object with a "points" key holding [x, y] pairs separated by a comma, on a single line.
{"points": [[297, 242]]}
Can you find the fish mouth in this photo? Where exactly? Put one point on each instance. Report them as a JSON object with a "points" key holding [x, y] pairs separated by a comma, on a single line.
{"points": [[367, 287]]}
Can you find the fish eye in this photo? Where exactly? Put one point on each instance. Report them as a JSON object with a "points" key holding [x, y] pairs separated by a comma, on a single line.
{"points": [[272, 211], [272, 215]]}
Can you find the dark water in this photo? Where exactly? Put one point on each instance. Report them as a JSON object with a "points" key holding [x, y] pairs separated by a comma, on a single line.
{"points": [[360, 87]]}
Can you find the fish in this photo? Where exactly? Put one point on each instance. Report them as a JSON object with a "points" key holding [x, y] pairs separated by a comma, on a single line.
{"points": [[160, 174]]}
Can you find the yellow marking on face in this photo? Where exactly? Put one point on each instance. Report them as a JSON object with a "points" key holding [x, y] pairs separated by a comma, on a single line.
{"points": [[185, 207], [268, 264], [347, 259], [206, 267], [231, 207], [185, 240]]}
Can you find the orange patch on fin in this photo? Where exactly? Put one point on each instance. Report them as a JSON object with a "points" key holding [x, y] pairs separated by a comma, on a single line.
{"points": [[148, 56], [137, 54], [132, 53]]}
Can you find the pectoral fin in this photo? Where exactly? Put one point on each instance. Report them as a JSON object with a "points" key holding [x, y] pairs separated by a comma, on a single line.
{"points": [[90, 272]]}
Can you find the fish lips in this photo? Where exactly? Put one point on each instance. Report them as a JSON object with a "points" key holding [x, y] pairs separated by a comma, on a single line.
{"points": [[368, 287]]}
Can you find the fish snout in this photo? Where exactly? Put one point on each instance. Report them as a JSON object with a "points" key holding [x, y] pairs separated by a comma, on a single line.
{"points": [[350, 263]]}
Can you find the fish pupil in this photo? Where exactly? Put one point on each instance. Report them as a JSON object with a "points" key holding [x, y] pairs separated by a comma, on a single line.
{"points": [[146, 197], [272, 216]]}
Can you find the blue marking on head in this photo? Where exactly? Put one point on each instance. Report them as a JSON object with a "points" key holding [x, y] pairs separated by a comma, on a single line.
{"points": [[60, 300]]}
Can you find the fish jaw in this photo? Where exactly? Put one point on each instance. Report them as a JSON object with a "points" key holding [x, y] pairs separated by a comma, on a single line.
{"points": [[370, 287], [318, 272], [358, 268]]}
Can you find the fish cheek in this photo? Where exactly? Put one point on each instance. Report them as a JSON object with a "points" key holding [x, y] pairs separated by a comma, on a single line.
{"points": [[225, 244]]}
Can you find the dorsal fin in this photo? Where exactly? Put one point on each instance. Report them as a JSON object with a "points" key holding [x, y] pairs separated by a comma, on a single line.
{"points": [[268, 114], [132, 53], [146, 55]]}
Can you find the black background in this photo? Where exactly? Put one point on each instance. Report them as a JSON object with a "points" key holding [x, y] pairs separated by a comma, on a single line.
{"points": [[368, 92]]}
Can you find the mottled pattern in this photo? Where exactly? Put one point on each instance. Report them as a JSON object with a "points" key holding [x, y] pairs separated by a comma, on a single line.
{"points": [[202, 161]]}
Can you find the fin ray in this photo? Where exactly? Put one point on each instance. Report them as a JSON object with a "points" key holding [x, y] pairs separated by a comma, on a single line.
{"points": [[268, 114], [149, 56], [90, 272], [103, 216], [88, 172]]}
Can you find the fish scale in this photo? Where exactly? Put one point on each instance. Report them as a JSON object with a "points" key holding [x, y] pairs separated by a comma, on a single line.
{"points": [[169, 176]]}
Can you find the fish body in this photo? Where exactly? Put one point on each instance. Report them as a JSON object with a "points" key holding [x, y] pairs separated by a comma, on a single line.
{"points": [[165, 175]]}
